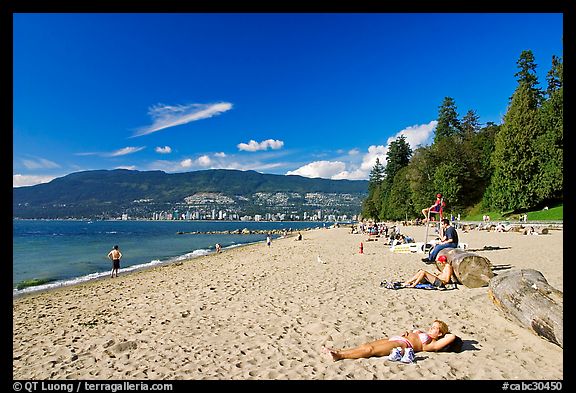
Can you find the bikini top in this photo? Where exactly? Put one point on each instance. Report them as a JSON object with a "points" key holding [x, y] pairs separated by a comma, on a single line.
{"points": [[424, 337]]}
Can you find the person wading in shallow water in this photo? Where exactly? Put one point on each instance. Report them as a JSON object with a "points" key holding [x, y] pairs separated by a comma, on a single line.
{"points": [[115, 255]]}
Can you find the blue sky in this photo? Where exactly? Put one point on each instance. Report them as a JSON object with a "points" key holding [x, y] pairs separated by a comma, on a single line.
{"points": [[318, 95]]}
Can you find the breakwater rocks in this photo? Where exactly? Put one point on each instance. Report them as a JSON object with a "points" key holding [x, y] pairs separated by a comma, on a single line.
{"points": [[246, 231]]}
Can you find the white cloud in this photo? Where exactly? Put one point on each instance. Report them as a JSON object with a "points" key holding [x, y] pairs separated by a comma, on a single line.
{"points": [[323, 169], [163, 150], [19, 180], [187, 163], [166, 116], [369, 159], [124, 151], [264, 145], [204, 161], [220, 155], [415, 135], [344, 169], [39, 163], [418, 134]]}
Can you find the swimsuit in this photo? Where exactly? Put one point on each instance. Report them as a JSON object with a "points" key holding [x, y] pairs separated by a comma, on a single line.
{"points": [[424, 337], [402, 340], [116, 263]]}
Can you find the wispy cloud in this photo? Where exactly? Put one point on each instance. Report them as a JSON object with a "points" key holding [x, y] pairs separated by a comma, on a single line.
{"points": [[166, 116], [39, 163], [273, 144], [125, 151], [116, 153], [163, 150]]}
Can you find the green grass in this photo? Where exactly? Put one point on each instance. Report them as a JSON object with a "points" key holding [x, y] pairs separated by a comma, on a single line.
{"points": [[555, 213]]}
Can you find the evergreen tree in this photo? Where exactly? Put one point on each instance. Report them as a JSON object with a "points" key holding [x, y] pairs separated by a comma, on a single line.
{"points": [[420, 176], [376, 176], [448, 123], [555, 77], [526, 74], [517, 156], [514, 159], [399, 202], [399, 153], [371, 205], [470, 124], [550, 144]]}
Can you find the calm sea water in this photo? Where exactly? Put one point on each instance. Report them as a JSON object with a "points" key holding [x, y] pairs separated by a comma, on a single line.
{"points": [[67, 252]]}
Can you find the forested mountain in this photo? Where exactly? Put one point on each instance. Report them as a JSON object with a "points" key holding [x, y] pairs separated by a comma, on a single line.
{"points": [[108, 193]]}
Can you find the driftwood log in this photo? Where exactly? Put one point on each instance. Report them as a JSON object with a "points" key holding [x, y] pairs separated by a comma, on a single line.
{"points": [[470, 269], [525, 297]]}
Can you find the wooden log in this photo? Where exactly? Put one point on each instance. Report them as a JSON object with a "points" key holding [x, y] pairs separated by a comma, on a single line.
{"points": [[526, 298], [470, 269]]}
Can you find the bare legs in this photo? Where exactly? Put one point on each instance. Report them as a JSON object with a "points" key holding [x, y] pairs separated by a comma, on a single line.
{"points": [[419, 277], [375, 348], [425, 212]]}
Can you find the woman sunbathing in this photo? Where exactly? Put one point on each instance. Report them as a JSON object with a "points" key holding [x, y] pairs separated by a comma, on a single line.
{"points": [[400, 347]]}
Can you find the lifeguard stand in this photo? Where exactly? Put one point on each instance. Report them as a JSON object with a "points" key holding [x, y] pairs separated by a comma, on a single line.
{"points": [[440, 210]]}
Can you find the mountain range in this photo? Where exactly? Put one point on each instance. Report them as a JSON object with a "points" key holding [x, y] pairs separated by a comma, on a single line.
{"points": [[103, 194]]}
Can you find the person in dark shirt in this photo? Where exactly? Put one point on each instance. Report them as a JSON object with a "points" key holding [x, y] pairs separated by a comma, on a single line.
{"points": [[449, 240]]}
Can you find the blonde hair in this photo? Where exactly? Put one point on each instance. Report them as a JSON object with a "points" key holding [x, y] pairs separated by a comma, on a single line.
{"points": [[443, 326]]}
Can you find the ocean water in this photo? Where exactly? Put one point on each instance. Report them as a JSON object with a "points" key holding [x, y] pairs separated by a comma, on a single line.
{"points": [[63, 252]]}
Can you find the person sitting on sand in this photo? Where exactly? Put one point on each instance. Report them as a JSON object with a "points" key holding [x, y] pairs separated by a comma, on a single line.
{"points": [[438, 281], [401, 347]]}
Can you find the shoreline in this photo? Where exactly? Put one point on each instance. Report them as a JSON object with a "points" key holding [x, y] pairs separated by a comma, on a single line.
{"points": [[258, 312], [34, 280], [50, 286]]}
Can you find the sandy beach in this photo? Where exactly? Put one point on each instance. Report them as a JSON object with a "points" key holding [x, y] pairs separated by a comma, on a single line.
{"points": [[261, 313]]}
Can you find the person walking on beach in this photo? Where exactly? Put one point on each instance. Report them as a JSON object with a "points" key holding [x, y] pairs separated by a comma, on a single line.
{"points": [[115, 255], [401, 348], [268, 240]]}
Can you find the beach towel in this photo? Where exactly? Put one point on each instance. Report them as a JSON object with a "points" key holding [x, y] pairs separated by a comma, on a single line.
{"points": [[427, 286]]}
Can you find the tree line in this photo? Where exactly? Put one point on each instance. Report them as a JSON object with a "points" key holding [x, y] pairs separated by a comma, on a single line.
{"points": [[511, 167]]}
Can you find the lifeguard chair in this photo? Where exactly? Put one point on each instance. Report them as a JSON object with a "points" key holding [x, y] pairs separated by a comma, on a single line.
{"points": [[436, 208]]}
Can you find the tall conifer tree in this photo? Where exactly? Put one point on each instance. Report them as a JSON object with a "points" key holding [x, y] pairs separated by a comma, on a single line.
{"points": [[448, 123], [515, 158]]}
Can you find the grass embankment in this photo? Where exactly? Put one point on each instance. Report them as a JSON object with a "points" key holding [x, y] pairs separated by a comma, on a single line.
{"points": [[555, 213]]}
